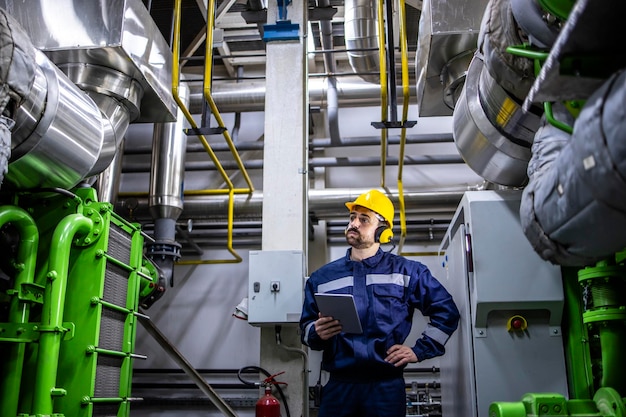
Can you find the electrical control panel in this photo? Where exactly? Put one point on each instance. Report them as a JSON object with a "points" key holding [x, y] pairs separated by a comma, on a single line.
{"points": [[275, 287]]}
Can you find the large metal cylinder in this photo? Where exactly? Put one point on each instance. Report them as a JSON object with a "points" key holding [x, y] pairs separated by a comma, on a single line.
{"points": [[491, 131], [167, 171], [62, 133]]}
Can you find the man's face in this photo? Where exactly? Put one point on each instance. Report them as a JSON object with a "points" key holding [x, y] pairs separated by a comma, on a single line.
{"points": [[362, 228]]}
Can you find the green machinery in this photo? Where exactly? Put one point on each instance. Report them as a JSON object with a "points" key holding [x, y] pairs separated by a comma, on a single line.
{"points": [[74, 277], [595, 296], [595, 329]]}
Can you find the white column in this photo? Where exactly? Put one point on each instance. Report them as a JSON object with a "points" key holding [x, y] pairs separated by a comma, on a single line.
{"points": [[285, 158]]}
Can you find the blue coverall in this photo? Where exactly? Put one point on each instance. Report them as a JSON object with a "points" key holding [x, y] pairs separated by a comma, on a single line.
{"points": [[387, 289]]}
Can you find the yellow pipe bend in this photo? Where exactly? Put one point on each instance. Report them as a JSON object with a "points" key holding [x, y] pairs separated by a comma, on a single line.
{"points": [[189, 117]]}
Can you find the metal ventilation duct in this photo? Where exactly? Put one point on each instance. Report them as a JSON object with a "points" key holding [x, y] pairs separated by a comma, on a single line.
{"points": [[116, 34], [447, 31], [99, 66]]}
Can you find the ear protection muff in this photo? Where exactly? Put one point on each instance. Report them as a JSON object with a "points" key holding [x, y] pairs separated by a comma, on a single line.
{"points": [[383, 234]]}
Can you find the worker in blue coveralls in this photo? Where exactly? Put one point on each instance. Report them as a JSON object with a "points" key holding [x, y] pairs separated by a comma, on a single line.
{"points": [[366, 370]]}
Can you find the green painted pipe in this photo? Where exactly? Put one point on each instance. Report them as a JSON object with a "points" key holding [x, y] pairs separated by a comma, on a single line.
{"points": [[607, 317], [577, 358], [52, 312], [613, 341], [19, 311]]}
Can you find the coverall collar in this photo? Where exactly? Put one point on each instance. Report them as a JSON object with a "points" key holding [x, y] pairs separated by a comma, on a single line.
{"points": [[369, 262]]}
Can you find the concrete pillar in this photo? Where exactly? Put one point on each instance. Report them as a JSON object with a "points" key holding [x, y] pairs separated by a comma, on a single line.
{"points": [[285, 188]]}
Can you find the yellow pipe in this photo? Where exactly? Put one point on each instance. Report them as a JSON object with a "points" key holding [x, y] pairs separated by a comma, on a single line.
{"points": [[405, 112], [208, 75], [404, 53], [229, 244], [175, 85], [382, 57], [189, 117]]}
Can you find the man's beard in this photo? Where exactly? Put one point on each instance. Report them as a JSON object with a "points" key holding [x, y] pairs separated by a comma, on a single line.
{"points": [[357, 242]]}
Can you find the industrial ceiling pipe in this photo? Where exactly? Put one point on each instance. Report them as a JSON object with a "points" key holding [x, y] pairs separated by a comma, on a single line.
{"points": [[249, 95], [138, 166], [318, 143], [323, 204]]}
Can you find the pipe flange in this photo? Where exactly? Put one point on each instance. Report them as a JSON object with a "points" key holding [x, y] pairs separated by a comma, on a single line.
{"points": [[602, 272], [609, 402]]}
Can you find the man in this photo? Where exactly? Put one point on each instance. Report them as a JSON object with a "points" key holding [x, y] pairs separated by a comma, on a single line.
{"points": [[366, 370]]}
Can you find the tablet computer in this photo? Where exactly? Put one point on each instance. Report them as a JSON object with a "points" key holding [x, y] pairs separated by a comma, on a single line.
{"points": [[342, 308]]}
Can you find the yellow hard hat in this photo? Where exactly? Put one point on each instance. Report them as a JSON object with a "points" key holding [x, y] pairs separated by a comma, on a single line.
{"points": [[377, 202]]}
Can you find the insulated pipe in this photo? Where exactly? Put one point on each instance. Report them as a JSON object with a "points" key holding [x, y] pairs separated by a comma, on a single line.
{"points": [[167, 168], [62, 135], [63, 141], [19, 310], [117, 95], [51, 327], [167, 176], [360, 36], [332, 107], [479, 136], [108, 181], [575, 201]]}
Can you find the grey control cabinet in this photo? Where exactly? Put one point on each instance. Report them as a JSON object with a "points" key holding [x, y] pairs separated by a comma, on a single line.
{"points": [[275, 282], [509, 339]]}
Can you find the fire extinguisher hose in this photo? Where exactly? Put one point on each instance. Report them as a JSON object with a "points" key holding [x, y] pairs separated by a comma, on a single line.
{"points": [[258, 383]]}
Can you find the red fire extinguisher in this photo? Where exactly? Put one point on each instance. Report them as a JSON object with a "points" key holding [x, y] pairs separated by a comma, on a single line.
{"points": [[268, 405]]}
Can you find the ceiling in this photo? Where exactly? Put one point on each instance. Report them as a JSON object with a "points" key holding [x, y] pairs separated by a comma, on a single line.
{"points": [[239, 53], [239, 49]]}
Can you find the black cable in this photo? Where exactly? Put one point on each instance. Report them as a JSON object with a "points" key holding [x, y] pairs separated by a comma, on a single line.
{"points": [[267, 374]]}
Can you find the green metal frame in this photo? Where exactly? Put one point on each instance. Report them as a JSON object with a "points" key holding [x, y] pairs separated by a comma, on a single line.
{"points": [[78, 271]]}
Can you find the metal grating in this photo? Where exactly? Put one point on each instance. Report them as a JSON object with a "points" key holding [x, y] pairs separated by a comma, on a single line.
{"points": [[115, 285], [112, 330], [108, 376], [119, 244]]}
